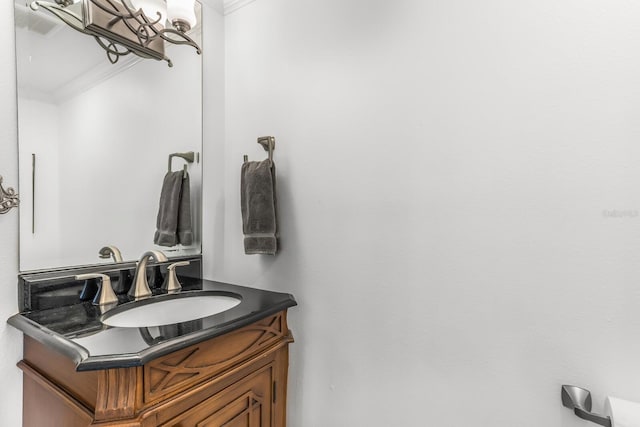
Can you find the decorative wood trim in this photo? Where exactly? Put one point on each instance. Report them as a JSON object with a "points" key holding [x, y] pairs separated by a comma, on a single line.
{"points": [[244, 407], [116, 394], [245, 402], [181, 370], [280, 384], [201, 392], [231, 6]]}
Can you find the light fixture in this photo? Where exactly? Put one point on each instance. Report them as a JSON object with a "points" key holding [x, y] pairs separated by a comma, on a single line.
{"points": [[152, 8], [182, 14], [122, 27]]}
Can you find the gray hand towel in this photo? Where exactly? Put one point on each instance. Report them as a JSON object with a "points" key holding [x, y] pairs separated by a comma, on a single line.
{"points": [[185, 232], [174, 212], [259, 207]]}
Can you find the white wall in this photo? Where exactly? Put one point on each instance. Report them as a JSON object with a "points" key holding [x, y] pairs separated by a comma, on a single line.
{"points": [[458, 185], [10, 338]]}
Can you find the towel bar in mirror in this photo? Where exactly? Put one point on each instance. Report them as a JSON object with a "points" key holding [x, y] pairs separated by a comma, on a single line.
{"points": [[189, 157]]}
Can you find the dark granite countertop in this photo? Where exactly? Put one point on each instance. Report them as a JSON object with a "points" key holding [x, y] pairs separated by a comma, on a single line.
{"points": [[77, 331]]}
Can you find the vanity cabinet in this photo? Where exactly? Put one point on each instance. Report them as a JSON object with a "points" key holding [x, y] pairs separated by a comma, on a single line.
{"points": [[236, 379], [247, 403]]}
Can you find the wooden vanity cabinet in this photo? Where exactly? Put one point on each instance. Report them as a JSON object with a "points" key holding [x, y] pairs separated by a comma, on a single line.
{"points": [[246, 403], [234, 380]]}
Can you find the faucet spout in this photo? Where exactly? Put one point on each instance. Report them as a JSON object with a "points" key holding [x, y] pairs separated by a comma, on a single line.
{"points": [[140, 288], [110, 251]]}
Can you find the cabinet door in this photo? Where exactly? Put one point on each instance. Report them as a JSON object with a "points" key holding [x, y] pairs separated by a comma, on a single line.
{"points": [[247, 403]]}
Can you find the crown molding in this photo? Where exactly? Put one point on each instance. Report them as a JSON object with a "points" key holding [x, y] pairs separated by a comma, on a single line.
{"points": [[93, 77], [217, 5], [231, 6]]}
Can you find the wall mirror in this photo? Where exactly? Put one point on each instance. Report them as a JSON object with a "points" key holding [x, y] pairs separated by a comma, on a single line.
{"points": [[94, 142]]}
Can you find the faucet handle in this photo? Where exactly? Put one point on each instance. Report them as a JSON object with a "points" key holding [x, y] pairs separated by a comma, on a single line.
{"points": [[171, 283], [105, 294]]}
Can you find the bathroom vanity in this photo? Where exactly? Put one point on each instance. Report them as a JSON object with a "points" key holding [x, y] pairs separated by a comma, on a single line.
{"points": [[227, 369]]}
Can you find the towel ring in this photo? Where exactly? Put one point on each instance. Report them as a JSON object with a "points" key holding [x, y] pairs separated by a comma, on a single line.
{"points": [[189, 157], [269, 144]]}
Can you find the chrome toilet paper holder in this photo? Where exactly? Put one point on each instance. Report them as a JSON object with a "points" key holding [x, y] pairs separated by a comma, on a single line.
{"points": [[579, 399]]}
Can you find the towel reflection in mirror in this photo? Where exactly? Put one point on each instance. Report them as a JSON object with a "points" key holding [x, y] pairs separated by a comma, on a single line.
{"points": [[174, 212]]}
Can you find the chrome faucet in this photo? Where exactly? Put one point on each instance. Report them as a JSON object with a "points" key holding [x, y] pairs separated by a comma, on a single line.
{"points": [[110, 251], [140, 287]]}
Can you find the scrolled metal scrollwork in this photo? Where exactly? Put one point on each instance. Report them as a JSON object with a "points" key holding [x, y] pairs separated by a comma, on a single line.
{"points": [[8, 198], [145, 29]]}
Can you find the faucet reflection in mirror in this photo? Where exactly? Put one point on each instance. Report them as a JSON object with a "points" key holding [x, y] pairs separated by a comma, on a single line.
{"points": [[110, 251], [122, 27], [8, 198]]}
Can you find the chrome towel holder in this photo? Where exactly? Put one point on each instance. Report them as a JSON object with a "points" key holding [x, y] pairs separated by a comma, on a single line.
{"points": [[579, 399], [269, 144], [8, 198]]}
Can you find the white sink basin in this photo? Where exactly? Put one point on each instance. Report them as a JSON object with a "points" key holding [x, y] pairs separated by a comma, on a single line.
{"points": [[170, 311]]}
